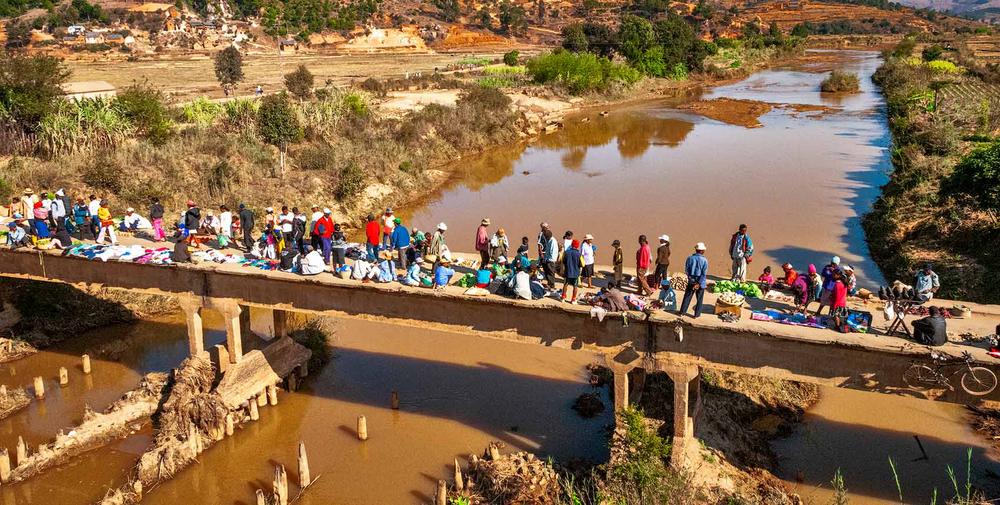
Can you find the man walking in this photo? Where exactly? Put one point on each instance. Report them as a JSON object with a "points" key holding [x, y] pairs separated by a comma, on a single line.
{"points": [[246, 224], [550, 253], [643, 258], [400, 241], [696, 268], [741, 250]]}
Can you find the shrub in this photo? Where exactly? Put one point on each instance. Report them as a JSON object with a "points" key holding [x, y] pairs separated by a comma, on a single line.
{"points": [[931, 53], [943, 67], [510, 57], [143, 105], [574, 38], [374, 87], [201, 112], [104, 174], [317, 157], [978, 176], [580, 73], [277, 121], [351, 182], [300, 83], [30, 87], [840, 82], [483, 99]]}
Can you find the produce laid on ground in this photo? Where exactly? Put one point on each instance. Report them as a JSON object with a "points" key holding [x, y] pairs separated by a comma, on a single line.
{"points": [[748, 289]]}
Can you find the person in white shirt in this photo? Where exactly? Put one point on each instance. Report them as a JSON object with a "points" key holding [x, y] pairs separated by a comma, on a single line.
{"points": [[285, 222], [312, 262], [95, 222], [225, 222], [587, 253], [58, 208], [133, 222], [210, 223]]}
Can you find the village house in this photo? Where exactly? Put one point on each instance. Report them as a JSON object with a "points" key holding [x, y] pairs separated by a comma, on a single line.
{"points": [[93, 38]]}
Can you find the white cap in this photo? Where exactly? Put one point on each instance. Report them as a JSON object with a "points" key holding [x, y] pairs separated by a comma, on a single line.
{"points": [[442, 227], [664, 238], [130, 209], [835, 260], [269, 209], [588, 237], [700, 246], [326, 210]]}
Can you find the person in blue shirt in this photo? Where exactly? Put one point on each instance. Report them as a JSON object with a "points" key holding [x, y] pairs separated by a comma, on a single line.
{"points": [[696, 268], [572, 266], [400, 241], [16, 237], [443, 273]]}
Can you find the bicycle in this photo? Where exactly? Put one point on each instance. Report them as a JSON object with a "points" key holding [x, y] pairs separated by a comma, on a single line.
{"points": [[975, 380]]}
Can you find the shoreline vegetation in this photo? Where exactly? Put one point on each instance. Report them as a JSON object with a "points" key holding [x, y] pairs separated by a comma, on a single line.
{"points": [[941, 202]]}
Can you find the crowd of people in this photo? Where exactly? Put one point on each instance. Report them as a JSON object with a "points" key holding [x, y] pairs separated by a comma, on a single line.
{"points": [[312, 243]]}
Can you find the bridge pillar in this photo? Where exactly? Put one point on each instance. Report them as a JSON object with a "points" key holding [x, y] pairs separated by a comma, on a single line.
{"points": [[621, 388], [280, 318], [687, 405], [231, 312], [196, 333]]}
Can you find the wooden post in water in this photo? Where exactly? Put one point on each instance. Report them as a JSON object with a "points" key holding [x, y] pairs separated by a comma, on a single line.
{"points": [[22, 451], [39, 388], [63, 376], [4, 466], [459, 485], [494, 452], [304, 479], [293, 382], [362, 428], [137, 489], [3, 390], [193, 439], [229, 424], [254, 413], [86, 363], [261, 500], [394, 401], [442, 493], [280, 486], [272, 394], [262, 398]]}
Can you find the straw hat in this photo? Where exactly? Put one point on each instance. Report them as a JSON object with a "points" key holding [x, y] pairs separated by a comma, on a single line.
{"points": [[700, 246], [588, 237], [442, 227], [385, 255], [485, 221], [664, 238], [28, 191]]}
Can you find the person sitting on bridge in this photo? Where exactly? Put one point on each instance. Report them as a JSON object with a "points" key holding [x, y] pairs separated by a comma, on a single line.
{"points": [[287, 259], [312, 262], [927, 284], [788, 279], [180, 254], [61, 239], [412, 277], [16, 236], [443, 273], [802, 290], [931, 330], [386, 267], [133, 222]]}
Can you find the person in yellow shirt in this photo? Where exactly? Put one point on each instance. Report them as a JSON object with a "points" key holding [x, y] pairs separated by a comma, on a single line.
{"points": [[107, 224]]}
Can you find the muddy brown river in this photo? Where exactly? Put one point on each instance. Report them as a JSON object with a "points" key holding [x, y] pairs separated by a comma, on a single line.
{"points": [[800, 181]]}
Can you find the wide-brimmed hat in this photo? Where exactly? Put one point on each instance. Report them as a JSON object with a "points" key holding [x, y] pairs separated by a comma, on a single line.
{"points": [[700, 246], [485, 221], [388, 210], [269, 210], [442, 227], [326, 210], [588, 237], [28, 191], [664, 238]]}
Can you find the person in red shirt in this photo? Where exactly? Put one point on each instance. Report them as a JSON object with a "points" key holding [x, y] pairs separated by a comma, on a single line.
{"points": [[373, 234], [838, 308], [323, 228], [643, 258]]}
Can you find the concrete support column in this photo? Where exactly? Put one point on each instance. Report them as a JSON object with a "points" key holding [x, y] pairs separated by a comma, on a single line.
{"points": [[621, 389], [196, 333], [687, 402], [280, 325], [234, 337]]}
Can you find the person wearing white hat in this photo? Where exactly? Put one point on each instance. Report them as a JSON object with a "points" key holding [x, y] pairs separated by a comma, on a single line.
{"points": [[696, 268], [741, 251], [587, 250], [438, 246], [662, 260], [133, 222]]}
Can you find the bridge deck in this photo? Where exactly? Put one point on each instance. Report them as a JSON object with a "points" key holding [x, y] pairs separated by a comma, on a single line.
{"points": [[823, 356]]}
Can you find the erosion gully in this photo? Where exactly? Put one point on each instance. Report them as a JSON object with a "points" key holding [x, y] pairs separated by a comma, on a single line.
{"points": [[801, 181]]}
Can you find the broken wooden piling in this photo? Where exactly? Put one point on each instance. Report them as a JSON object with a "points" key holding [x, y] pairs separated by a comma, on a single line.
{"points": [[4, 466], [304, 480], [229, 424], [254, 413], [280, 485], [63, 376], [272, 394], [394, 401], [442, 493], [39, 388], [22, 451], [362, 428], [459, 485], [86, 363]]}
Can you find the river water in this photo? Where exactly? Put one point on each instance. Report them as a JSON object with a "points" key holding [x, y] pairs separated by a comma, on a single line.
{"points": [[800, 181]]}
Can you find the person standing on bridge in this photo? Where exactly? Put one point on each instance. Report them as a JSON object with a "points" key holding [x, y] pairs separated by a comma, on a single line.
{"points": [[662, 260], [438, 247], [643, 259], [156, 219], [399, 241], [696, 268], [80, 216], [322, 231], [388, 223], [107, 224], [192, 219], [572, 268], [542, 242], [741, 251], [828, 281], [372, 236], [483, 243], [246, 224], [94, 206], [549, 258]]}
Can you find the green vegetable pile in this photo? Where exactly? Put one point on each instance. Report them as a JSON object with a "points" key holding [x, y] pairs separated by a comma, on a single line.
{"points": [[748, 289]]}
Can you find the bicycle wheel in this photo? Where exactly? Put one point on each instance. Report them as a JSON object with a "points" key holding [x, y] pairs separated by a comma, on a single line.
{"points": [[919, 376], [979, 381]]}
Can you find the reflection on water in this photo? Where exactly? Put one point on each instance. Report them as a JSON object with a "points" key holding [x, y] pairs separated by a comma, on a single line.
{"points": [[858, 432], [801, 181]]}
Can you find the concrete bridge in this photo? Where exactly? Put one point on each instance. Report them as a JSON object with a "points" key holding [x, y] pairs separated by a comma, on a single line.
{"points": [[660, 342]]}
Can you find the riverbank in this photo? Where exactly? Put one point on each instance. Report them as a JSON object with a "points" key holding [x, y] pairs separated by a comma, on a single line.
{"points": [[939, 205]]}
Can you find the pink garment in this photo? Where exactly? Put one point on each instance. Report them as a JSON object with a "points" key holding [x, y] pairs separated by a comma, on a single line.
{"points": [[158, 230], [643, 257], [482, 239], [41, 213]]}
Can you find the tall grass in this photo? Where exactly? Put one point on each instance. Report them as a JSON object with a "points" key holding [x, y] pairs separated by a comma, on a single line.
{"points": [[201, 112], [580, 72], [83, 124]]}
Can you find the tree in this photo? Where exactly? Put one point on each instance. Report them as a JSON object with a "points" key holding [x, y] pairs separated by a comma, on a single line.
{"points": [[801, 30], [278, 123], [300, 83], [229, 68], [513, 20], [978, 176], [574, 39], [30, 87], [635, 38], [450, 9], [143, 105], [931, 53], [485, 18], [600, 39]]}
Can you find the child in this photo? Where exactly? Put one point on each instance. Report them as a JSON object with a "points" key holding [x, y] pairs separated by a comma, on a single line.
{"points": [[667, 295], [618, 259], [766, 280]]}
